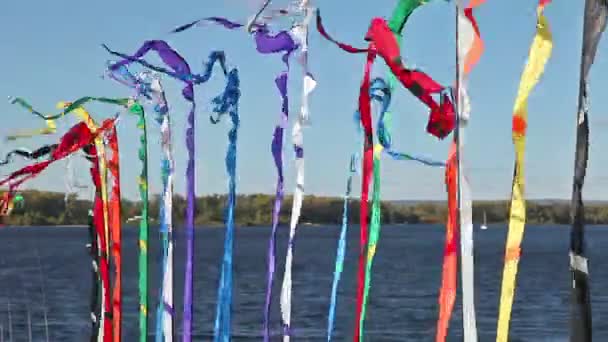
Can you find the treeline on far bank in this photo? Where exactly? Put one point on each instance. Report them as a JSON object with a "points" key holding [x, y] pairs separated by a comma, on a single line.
{"points": [[52, 208]]}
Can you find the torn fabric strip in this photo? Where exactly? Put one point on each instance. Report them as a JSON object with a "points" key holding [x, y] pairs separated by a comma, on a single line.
{"points": [[540, 51], [180, 70], [284, 42], [227, 103], [449, 282], [382, 41], [116, 233], [596, 13], [150, 88], [469, 49], [28, 154]]}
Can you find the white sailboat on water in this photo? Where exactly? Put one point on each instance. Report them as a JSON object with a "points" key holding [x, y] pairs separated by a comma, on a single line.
{"points": [[484, 225]]}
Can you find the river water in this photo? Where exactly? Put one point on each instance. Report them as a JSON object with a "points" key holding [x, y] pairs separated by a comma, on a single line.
{"points": [[50, 268]]}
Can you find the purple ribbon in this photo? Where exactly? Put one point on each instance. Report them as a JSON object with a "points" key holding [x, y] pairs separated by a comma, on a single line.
{"points": [[180, 70]]}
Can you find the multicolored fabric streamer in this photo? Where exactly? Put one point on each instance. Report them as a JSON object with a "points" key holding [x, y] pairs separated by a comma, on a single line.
{"points": [[596, 15], [8, 202], [285, 42], [469, 50], [449, 281], [441, 122], [116, 234], [300, 34], [380, 91], [227, 103], [28, 154], [383, 42], [77, 108], [95, 303], [105, 327], [51, 126], [75, 139], [180, 70], [341, 250], [142, 182], [150, 88], [78, 137], [144, 218], [166, 310], [540, 51]]}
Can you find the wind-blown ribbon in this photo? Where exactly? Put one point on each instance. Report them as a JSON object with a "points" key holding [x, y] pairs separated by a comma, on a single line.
{"points": [[540, 51], [285, 43], [447, 293], [8, 201], [77, 109], [94, 303], [227, 103], [75, 139], [78, 137], [28, 154], [441, 120], [152, 89], [180, 70], [468, 50], [100, 225], [116, 232], [341, 250], [142, 182], [165, 311], [596, 13], [380, 91], [382, 41], [144, 218], [300, 33]]}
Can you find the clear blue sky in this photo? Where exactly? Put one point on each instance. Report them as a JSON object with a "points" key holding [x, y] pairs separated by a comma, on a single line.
{"points": [[51, 51]]}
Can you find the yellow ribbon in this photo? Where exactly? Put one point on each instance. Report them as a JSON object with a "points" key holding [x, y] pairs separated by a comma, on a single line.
{"points": [[540, 51]]}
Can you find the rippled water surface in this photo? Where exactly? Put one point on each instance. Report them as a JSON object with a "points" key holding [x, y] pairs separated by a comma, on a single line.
{"points": [[403, 304]]}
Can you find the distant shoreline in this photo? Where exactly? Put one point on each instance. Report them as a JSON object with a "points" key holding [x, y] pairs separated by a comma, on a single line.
{"points": [[320, 225]]}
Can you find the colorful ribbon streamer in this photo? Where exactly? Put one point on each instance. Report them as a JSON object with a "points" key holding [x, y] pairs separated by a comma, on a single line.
{"points": [[77, 108], [123, 76], [447, 293], [78, 138], [284, 42], [227, 103], [179, 70], [468, 50], [380, 91], [166, 310], [441, 121], [116, 232], [341, 250], [75, 139], [151, 88], [28, 154], [382, 42], [95, 303], [300, 34], [100, 224], [142, 182], [596, 13], [540, 51]]}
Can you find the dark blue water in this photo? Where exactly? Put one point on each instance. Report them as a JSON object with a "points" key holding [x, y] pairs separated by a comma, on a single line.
{"points": [[403, 304]]}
